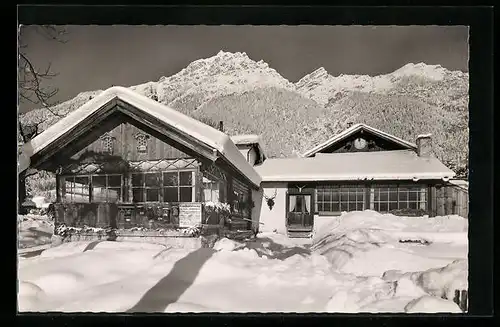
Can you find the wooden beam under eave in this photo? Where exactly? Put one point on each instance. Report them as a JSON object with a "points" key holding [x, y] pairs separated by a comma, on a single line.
{"points": [[234, 171], [39, 159]]}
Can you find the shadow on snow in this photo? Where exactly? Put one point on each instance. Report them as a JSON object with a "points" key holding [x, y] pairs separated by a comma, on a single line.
{"points": [[266, 246], [169, 289]]}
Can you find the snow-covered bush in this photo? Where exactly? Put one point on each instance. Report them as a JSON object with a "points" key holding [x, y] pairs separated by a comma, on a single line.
{"points": [[222, 210], [64, 231], [192, 230]]}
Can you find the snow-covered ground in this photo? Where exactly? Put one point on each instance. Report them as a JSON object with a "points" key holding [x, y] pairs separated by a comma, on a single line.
{"points": [[356, 263], [34, 230]]}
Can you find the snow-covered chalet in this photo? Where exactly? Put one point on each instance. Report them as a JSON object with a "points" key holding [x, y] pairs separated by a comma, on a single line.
{"points": [[127, 160]]}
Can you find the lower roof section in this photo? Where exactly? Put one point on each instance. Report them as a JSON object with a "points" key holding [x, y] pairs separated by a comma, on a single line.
{"points": [[379, 165]]}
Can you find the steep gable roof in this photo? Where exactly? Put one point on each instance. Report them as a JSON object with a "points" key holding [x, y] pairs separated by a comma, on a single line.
{"points": [[205, 134], [354, 129]]}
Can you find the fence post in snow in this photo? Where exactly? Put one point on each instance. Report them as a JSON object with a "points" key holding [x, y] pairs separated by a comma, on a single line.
{"points": [[461, 299]]}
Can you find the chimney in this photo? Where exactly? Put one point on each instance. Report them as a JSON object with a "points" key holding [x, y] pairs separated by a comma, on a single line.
{"points": [[221, 126], [424, 145]]}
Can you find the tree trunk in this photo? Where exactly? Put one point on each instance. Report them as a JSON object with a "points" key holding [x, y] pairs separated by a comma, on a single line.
{"points": [[21, 193]]}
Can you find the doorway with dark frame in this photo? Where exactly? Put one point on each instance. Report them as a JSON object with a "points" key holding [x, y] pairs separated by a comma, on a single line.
{"points": [[300, 212]]}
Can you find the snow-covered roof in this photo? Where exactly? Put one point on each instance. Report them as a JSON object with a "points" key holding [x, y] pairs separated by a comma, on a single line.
{"points": [[250, 139], [245, 139], [353, 129], [377, 165], [202, 132]]}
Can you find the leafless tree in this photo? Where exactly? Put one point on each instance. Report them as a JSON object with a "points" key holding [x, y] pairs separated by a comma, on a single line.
{"points": [[31, 89], [30, 78]]}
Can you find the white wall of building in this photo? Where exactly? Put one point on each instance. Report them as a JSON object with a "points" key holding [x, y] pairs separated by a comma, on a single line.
{"points": [[256, 210], [275, 218]]}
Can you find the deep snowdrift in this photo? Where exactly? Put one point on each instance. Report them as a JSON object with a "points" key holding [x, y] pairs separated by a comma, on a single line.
{"points": [[355, 264], [368, 243]]}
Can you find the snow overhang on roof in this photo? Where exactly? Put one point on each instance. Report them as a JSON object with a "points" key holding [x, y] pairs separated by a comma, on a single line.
{"points": [[210, 136], [380, 165], [353, 129], [250, 139], [244, 139]]}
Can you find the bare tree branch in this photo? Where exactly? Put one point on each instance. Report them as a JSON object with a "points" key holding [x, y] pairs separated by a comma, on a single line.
{"points": [[30, 79]]}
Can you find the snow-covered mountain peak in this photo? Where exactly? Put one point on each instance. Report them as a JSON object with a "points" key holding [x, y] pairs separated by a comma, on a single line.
{"points": [[434, 72], [322, 87], [222, 74]]}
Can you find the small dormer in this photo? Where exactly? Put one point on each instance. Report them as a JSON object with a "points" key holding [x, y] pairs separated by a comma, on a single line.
{"points": [[361, 138], [250, 147]]}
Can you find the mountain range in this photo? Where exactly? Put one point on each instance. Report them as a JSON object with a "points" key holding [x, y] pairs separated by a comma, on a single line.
{"points": [[251, 97]]}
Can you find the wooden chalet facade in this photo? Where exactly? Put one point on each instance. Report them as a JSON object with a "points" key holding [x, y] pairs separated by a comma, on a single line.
{"points": [[359, 169], [125, 160]]}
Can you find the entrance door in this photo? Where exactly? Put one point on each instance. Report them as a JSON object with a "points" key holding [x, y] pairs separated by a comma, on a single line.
{"points": [[300, 216]]}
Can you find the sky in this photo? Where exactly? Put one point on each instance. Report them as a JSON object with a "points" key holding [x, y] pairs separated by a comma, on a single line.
{"points": [[97, 57]]}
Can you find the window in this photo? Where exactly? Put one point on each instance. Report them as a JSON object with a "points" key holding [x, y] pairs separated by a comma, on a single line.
{"points": [[178, 186], [241, 199], [300, 203], [107, 188], [338, 198], [146, 187], [210, 190], [391, 197], [107, 142], [142, 142], [76, 188], [213, 188], [385, 198]]}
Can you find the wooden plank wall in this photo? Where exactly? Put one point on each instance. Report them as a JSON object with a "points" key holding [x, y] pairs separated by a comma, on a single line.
{"points": [[125, 146], [452, 200]]}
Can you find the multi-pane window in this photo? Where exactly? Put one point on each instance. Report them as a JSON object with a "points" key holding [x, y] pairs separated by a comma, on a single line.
{"points": [[76, 188], [338, 198], [107, 143], [211, 189], [107, 188], [178, 186], [146, 187], [385, 198], [241, 199]]}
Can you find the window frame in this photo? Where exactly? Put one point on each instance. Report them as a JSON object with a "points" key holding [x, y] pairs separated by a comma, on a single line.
{"points": [[161, 186], [64, 189], [236, 209], [144, 187], [179, 186], [421, 201], [121, 195], [402, 188], [359, 189]]}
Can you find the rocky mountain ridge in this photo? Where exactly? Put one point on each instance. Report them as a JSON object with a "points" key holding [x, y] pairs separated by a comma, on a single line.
{"points": [[292, 117]]}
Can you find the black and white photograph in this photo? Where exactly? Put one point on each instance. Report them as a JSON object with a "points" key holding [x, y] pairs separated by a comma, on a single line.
{"points": [[243, 168]]}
